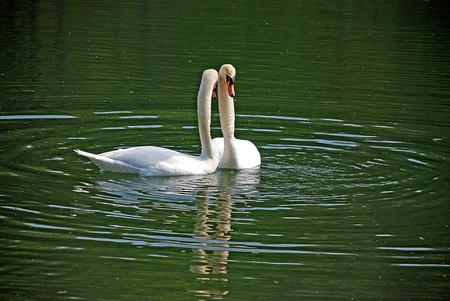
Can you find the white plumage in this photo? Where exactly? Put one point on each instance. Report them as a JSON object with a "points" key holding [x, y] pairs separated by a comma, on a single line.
{"points": [[159, 161], [233, 153]]}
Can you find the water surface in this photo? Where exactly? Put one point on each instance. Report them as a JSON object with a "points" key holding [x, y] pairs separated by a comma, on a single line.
{"points": [[348, 104]]}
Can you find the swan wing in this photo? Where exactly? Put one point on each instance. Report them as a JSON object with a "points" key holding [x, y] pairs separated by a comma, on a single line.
{"points": [[109, 164], [150, 161], [142, 156]]}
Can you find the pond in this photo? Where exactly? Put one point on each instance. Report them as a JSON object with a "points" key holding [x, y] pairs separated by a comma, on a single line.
{"points": [[347, 102]]}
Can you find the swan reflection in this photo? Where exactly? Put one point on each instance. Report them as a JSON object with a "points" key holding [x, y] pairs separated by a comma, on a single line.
{"points": [[213, 228], [208, 198]]}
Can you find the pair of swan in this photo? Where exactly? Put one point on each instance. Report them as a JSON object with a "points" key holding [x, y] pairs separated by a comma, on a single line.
{"points": [[227, 152]]}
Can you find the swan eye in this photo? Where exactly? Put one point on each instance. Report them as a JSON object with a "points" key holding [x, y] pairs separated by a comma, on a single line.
{"points": [[230, 79]]}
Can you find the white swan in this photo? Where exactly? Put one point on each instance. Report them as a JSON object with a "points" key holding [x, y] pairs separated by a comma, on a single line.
{"points": [[158, 161], [234, 153]]}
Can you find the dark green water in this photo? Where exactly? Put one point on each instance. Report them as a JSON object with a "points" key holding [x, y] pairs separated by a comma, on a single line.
{"points": [[348, 103]]}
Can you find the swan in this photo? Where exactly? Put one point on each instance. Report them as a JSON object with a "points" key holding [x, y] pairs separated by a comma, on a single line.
{"points": [[158, 161], [233, 153]]}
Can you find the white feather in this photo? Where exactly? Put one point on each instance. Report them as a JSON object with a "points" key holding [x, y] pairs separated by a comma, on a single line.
{"points": [[159, 161]]}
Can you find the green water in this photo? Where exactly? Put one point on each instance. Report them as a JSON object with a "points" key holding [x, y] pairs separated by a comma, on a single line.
{"points": [[348, 103]]}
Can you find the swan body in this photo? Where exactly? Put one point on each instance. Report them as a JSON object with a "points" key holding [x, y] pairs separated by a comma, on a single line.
{"points": [[159, 161], [151, 161], [233, 153], [242, 154]]}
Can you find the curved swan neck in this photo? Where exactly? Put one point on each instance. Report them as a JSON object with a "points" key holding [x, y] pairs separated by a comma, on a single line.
{"points": [[226, 109], [204, 118]]}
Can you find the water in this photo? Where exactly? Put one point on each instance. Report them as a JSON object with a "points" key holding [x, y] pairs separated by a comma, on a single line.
{"points": [[348, 104]]}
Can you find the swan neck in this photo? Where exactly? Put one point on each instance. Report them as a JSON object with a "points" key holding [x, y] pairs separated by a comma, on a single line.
{"points": [[204, 121], [226, 110]]}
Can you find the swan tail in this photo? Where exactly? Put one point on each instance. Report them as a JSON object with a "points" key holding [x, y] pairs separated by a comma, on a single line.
{"points": [[109, 164]]}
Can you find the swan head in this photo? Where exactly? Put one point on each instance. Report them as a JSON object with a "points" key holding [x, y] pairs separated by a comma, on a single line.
{"points": [[227, 74], [209, 80]]}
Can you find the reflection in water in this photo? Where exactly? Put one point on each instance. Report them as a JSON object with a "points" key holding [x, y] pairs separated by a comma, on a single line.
{"points": [[211, 264], [213, 226], [213, 196]]}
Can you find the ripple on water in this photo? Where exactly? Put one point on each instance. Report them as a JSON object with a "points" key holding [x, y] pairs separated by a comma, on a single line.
{"points": [[350, 115], [275, 117], [112, 112], [32, 117], [321, 191], [139, 117]]}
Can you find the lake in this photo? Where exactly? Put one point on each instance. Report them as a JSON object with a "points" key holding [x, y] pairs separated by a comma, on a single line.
{"points": [[347, 102]]}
